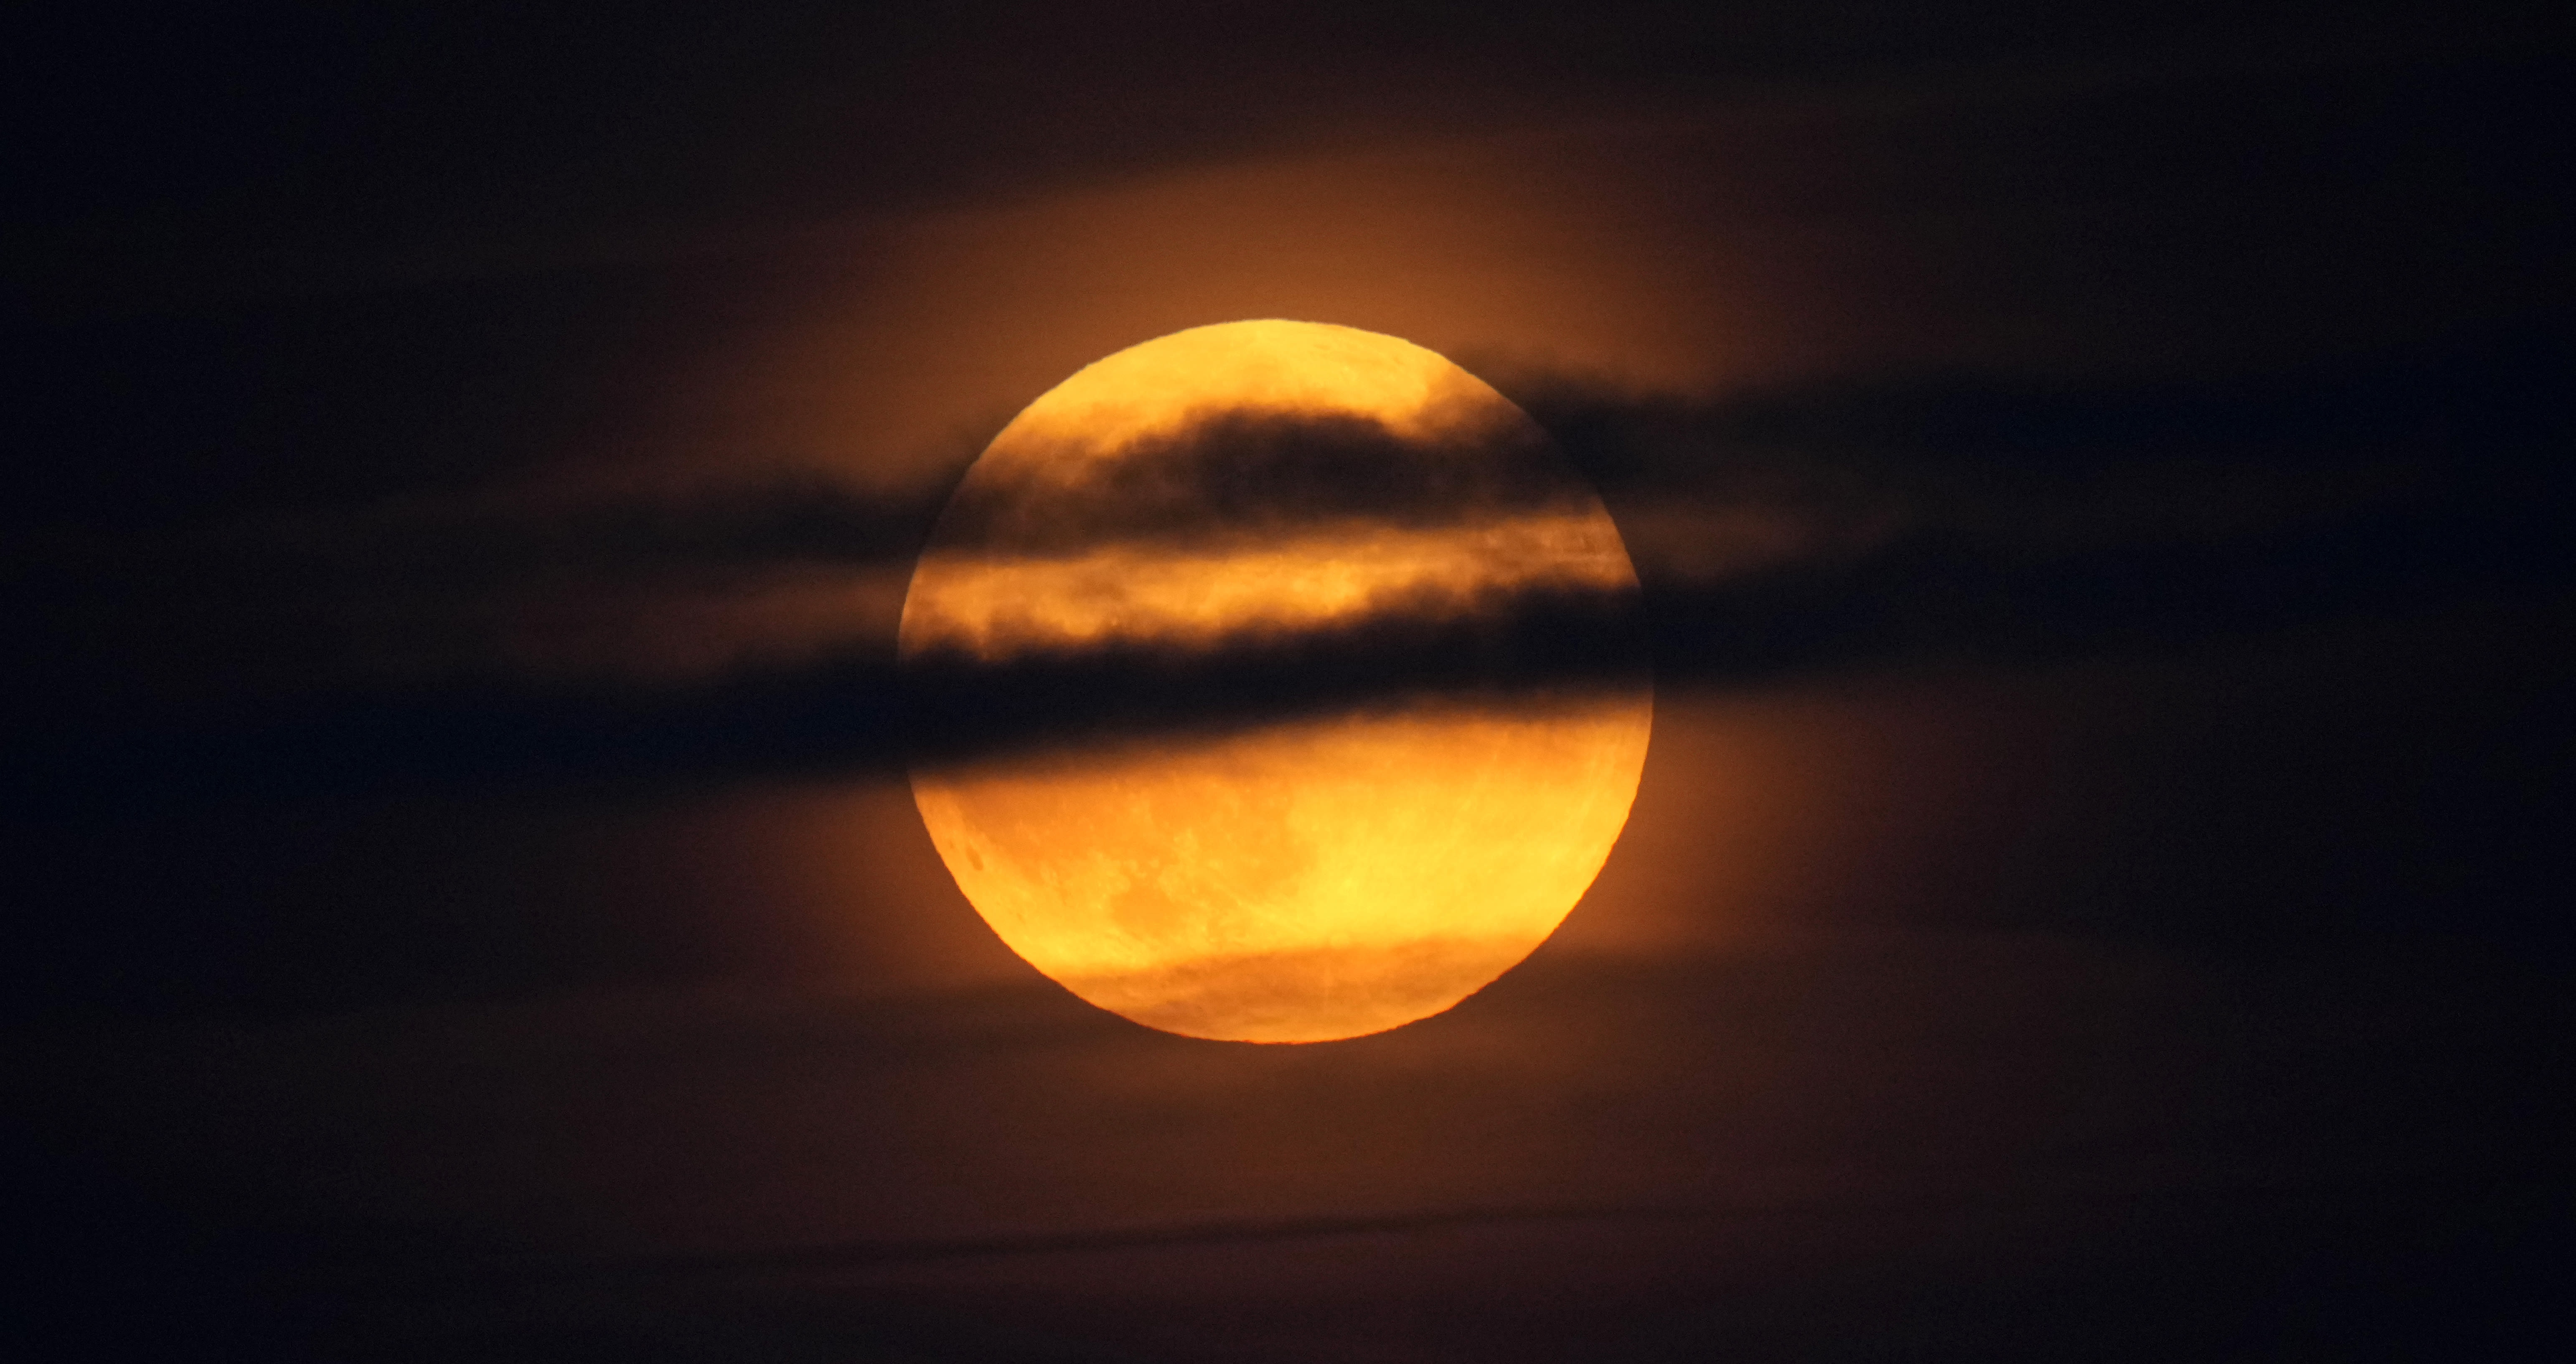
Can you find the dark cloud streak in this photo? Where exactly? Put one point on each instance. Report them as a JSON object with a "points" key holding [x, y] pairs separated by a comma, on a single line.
{"points": [[2476, 511], [1237, 476]]}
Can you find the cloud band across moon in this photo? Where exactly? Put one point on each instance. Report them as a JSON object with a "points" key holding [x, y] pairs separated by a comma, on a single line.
{"points": [[1776, 536]]}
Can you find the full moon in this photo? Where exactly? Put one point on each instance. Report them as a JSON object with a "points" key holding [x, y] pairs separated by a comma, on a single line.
{"points": [[1277, 880]]}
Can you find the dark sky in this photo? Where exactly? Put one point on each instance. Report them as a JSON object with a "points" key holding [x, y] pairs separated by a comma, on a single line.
{"points": [[2099, 478]]}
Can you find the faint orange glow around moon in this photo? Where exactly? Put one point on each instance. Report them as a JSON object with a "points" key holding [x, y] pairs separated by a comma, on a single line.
{"points": [[1305, 880]]}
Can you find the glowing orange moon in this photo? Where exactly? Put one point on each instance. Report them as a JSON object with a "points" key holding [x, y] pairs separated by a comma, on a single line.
{"points": [[1301, 881]]}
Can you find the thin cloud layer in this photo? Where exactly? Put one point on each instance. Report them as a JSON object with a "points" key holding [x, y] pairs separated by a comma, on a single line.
{"points": [[1237, 475], [1777, 535]]}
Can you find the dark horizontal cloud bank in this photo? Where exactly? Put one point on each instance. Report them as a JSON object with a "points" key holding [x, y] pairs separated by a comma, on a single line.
{"points": [[1943, 519], [1236, 477]]}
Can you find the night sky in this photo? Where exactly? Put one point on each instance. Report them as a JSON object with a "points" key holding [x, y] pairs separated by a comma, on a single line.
{"points": [[2099, 476]]}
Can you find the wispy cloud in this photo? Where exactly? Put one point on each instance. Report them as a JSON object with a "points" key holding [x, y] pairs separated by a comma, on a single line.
{"points": [[1776, 534]]}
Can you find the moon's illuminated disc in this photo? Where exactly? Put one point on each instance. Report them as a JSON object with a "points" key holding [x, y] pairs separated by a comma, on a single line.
{"points": [[1295, 881]]}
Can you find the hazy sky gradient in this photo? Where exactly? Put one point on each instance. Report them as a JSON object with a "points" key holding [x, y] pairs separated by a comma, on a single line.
{"points": [[2094, 891]]}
